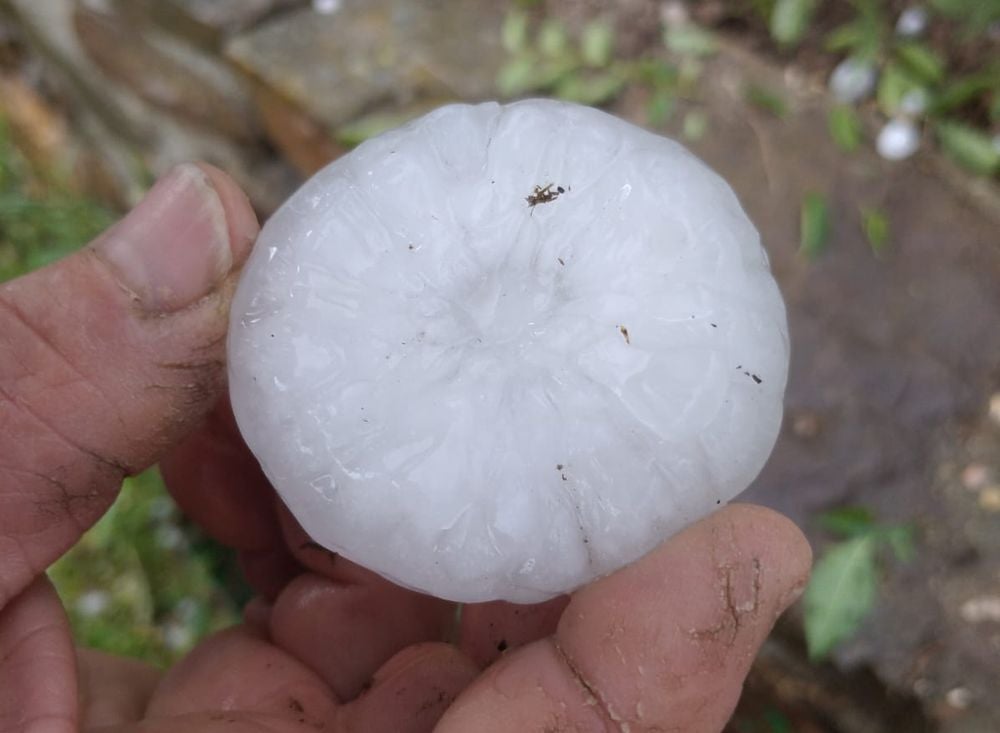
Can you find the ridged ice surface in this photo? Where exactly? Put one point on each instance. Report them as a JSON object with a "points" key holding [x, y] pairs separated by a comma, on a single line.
{"points": [[484, 399]]}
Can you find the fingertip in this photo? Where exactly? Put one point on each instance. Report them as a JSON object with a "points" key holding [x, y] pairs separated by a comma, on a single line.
{"points": [[411, 691], [346, 631], [240, 216], [786, 548], [690, 615], [490, 630], [238, 670]]}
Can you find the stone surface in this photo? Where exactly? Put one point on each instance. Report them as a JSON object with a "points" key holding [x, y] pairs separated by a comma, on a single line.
{"points": [[208, 23], [893, 364], [135, 140], [175, 77], [375, 53], [227, 16]]}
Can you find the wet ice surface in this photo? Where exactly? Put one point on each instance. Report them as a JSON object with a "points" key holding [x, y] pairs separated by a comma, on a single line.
{"points": [[483, 388]]}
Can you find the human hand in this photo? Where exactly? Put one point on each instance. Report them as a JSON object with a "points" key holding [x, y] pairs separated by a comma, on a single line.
{"points": [[114, 358]]}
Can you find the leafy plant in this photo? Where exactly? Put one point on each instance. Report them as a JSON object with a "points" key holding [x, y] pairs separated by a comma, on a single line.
{"points": [[969, 147], [543, 56], [546, 58], [973, 14], [814, 225], [41, 218], [695, 125], [863, 36], [139, 582], [690, 40], [769, 720], [766, 99], [790, 20], [844, 585], [845, 127], [875, 224]]}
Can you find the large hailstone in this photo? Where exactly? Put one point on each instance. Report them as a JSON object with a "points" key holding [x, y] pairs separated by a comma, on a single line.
{"points": [[504, 350]]}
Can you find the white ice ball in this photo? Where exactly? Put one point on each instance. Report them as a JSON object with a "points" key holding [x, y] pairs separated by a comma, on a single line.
{"points": [[852, 80], [504, 350], [898, 139], [912, 22]]}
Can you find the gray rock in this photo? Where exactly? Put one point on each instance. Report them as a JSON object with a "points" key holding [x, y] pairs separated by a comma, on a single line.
{"points": [[371, 54], [210, 22], [180, 79]]}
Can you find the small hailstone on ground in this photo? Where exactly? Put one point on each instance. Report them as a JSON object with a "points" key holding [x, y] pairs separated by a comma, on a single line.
{"points": [[504, 350], [177, 636], [899, 138], [326, 7], [170, 537], [852, 80], [93, 603], [912, 22]]}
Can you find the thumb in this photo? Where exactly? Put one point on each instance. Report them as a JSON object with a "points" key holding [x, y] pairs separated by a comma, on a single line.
{"points": [[109, 357]]}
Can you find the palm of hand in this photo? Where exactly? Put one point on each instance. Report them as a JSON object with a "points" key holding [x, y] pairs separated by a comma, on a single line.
{"points": [[113, 358]]}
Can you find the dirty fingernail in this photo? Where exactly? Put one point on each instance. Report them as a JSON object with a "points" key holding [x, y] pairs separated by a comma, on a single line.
{"points": [[173, 248]]}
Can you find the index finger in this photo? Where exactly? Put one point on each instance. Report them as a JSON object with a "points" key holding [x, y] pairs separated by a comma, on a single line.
{"points": [[663, 644]]}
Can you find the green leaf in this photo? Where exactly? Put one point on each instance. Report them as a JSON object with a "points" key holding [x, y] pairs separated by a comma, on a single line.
{"points": [[690, 40], [845, 127], [894, 84], [969, 147], [861, 38], [518, 76], [814, 225], [514, 32], [656, 72], [961, 91], [590, 89], [359, 130], [975, 15], [777, 721], [660, 107], [923, 63], [848, 521], [876, 227], [597, 43], [553, 40], [766, 99], [846, 38], [840, 594], [688, 74], [790, 20], [695, 125]]}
